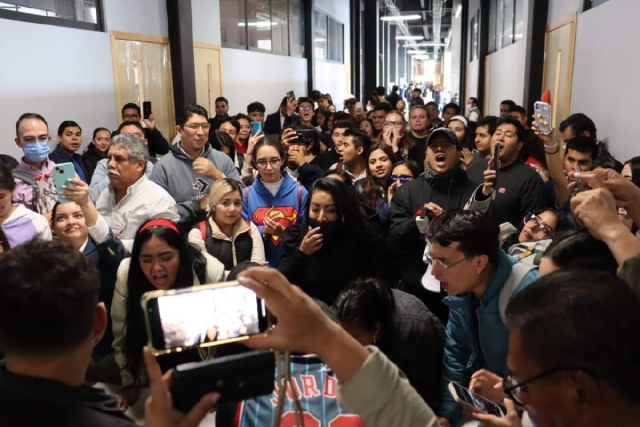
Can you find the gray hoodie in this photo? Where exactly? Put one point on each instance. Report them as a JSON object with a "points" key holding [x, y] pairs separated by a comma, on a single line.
{"points": [[174, 172]]}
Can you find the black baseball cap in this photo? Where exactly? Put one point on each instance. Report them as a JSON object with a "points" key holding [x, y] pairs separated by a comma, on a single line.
{"points": [[451, 136]]}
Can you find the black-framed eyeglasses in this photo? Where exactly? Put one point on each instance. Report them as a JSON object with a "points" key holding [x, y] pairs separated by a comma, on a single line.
{"points": [[402, 178], [514, 388], [538, 225], [262, 164]]}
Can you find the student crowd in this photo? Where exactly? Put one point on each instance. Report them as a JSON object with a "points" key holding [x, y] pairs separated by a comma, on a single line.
{"points": [[419, 258]]}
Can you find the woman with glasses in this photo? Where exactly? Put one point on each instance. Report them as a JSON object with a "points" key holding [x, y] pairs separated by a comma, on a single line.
{"points": [[395, 127], [333, 246], [402, 172], [529, 243], [275, 200]]}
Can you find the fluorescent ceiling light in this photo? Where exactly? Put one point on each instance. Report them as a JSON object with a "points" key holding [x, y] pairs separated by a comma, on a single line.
{"points": [[416, 52], [424, 44], [258, 24], [409, 37], [459, 10], [422, 57], [400, 18], [319, 40]]}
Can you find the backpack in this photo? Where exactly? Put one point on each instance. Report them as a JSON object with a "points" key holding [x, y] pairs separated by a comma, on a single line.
{"points": [[518, 271], [30, 180]]}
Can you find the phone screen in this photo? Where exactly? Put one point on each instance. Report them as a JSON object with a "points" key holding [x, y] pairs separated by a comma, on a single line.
{"points": [[255, 127], [205, 316], [478, 402]]}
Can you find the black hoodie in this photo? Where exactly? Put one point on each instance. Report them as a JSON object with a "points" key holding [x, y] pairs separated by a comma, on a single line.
{"points": [[35, 402]]}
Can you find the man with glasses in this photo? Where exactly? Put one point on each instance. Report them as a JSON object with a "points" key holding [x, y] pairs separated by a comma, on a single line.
{"points": [[156, 142], [32, 136], [518, 188], [567, 366], [192, 166], [466, 259]]}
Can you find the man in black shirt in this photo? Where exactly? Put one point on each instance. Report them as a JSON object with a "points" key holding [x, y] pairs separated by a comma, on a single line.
{"points": [[519, 188], [222, 114]]}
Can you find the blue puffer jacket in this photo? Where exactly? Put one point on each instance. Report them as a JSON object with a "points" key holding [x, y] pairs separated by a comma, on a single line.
{"points": [[462, 356]]}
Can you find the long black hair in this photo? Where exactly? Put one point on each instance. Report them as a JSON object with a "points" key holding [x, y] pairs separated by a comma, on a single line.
{"points": [[137, 284], [634, 163]]}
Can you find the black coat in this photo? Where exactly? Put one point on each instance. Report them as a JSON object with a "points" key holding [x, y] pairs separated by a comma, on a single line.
{"points": [[60, 155], [448, 192], [323, 274], [90, 159]]}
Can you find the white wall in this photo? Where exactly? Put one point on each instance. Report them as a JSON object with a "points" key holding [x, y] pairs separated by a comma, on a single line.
{"points": [[206, 21], [472, 80], [77, 81], [137, 16], [558, 9], [605, 73], [507, 71], [331, 77], [254, 76]]}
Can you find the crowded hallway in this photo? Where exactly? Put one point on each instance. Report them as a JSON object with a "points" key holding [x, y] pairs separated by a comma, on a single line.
{"points": [[405, 256]]}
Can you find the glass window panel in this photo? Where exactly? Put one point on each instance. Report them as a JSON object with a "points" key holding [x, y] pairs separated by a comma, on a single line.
{"points": [[320, 35], [83, 11], [507, 31], [500, 25], [336, 41], [259, 23], [232, 22], [280, 26], [296, 27], [493, 14], [519, 21], [474, 38]]}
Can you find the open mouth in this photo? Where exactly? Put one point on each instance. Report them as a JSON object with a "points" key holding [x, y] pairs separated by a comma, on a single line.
{"points": [[161, 280], [441, 160]]}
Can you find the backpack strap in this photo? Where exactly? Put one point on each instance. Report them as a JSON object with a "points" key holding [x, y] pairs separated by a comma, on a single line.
{"points": [[339, 166], [299, 196], [518, 271], [203, 230], [31, 181], [246, 195]]}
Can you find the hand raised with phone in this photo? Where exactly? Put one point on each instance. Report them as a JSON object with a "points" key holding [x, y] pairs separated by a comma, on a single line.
{"points": [[312, 242]]}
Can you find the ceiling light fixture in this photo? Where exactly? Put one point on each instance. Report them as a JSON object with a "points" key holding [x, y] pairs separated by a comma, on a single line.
{"points": [[416, 52], [258, 24], [459, 10], [409, 37], [400, 18]]}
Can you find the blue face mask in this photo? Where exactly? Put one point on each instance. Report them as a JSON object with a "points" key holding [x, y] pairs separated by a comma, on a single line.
{"points": [[36, 152]]}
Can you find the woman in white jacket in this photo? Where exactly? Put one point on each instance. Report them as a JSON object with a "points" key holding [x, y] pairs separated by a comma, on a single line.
{"points": [[161, 259]]}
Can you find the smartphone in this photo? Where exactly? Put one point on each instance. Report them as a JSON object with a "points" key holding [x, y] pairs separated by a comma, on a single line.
{"points": [[542, 116], [466, 398], [255, 127], [579, 183], [236, 378], [203, 316], [306, 136], [62, 173], [291, 95], [146, 109]]}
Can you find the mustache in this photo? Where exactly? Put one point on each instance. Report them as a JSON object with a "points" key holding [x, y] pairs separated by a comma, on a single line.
{"points": [[114, 172]]}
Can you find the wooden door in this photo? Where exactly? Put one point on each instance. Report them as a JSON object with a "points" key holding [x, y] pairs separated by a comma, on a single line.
{"points": [[208, 68], [558, 66], [142, 72]]}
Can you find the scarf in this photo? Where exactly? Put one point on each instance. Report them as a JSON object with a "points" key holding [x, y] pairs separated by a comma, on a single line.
{"points": [[441, 181]]}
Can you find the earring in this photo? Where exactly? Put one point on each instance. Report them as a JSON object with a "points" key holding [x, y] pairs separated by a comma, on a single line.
{"points": [[375, 338]]}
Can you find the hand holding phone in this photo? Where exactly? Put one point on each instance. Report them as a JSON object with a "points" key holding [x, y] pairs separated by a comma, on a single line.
{"points": [[542, 117], [62, 174], [474, 402], [146, 110], [256, 127]]}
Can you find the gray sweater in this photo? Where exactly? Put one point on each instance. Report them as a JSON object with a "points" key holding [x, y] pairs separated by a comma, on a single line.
{"points": [[174, 172]]}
